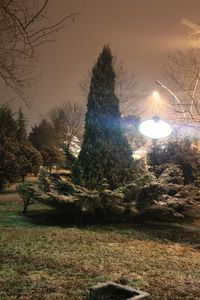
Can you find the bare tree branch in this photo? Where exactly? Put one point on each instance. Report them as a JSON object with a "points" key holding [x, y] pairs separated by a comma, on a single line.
{"points": [[23, 28], [68, 122], [182, 75], [36, 15]]}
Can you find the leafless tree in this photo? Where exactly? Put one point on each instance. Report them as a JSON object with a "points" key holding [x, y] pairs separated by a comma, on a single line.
{"points": [[67, 121], [125, 88], [182, 76], [24, 27]]}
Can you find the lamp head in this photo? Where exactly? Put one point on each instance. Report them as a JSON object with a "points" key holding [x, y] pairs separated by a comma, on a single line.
{"points": [[155, 128]]}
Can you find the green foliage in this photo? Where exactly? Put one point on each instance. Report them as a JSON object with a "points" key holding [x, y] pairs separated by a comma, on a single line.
{"points": [[17, 156], [21, 127], [77, 201], [148, 194], [130, 191], [8, 125], [29, 160], [35, 159], [52, 155], [170, 173], [43, 180], [8, 149], [70, 159], [105, 151], [134, 202], [182, 153], [8, 162], [27, 193], [64, 187], [197, 182], [146, 178], [42, 135]]}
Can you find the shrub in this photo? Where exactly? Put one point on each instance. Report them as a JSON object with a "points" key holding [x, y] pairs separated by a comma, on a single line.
{"points": [[182, 153], [44, 182], [27, 192], [148, 194], [170, 173], [70, 158], [8, 163], [130, 191]]}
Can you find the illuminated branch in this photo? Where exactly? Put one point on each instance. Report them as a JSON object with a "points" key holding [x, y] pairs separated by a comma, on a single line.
{"points": [[182, 72]]}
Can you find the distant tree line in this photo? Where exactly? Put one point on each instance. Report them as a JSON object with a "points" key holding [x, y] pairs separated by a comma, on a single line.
{"points": [[18, 157], [48, 143]]}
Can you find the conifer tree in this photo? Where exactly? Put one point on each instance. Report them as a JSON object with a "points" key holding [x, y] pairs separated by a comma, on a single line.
{"points": [[42, 135], [17, 156], [8, 127], [21, 127], [8, 161], [105, 153]]}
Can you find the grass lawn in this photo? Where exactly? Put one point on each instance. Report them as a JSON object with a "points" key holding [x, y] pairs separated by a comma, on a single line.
{"points": [[41, 258]]}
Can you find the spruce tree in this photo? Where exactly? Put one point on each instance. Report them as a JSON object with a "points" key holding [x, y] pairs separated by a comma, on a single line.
{"points": [[8, 147], [8, 126], [42, 135], [21, 127], [105, 153]]}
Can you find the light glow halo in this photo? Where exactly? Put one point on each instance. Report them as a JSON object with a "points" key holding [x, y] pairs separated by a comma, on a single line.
{"points": [[155, 128]]}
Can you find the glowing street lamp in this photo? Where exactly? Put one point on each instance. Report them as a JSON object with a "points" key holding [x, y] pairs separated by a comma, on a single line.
{"points": [[155, 128], [156, 96]]}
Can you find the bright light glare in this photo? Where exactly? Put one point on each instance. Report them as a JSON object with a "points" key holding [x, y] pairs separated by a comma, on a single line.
{"points": [[136, 156], [155, 129], [156, 95]]}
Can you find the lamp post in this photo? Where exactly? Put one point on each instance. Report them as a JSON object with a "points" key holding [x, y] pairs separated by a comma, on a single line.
{"points": [[155, 129]]}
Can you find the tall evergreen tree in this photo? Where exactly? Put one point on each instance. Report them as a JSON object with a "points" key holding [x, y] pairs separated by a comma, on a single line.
{"points": [[105, 152], [17, 156], [21, 127], [8, 147], [42, 135], [8, 127]]}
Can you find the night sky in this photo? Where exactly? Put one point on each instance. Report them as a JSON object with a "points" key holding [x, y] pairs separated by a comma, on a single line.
{"points": [[139, 32]]}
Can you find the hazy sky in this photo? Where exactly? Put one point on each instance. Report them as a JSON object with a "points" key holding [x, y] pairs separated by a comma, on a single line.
{"points": [[140, 32]]}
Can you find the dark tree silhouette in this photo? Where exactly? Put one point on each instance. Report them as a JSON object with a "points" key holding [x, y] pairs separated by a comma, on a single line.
{"points": [[105, 152], [42, 135]]}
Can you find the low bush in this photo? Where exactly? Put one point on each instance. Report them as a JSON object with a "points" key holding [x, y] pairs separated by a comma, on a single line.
{"points": [[26, 191], [182, 153], [170, 173], [155, 200]]}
